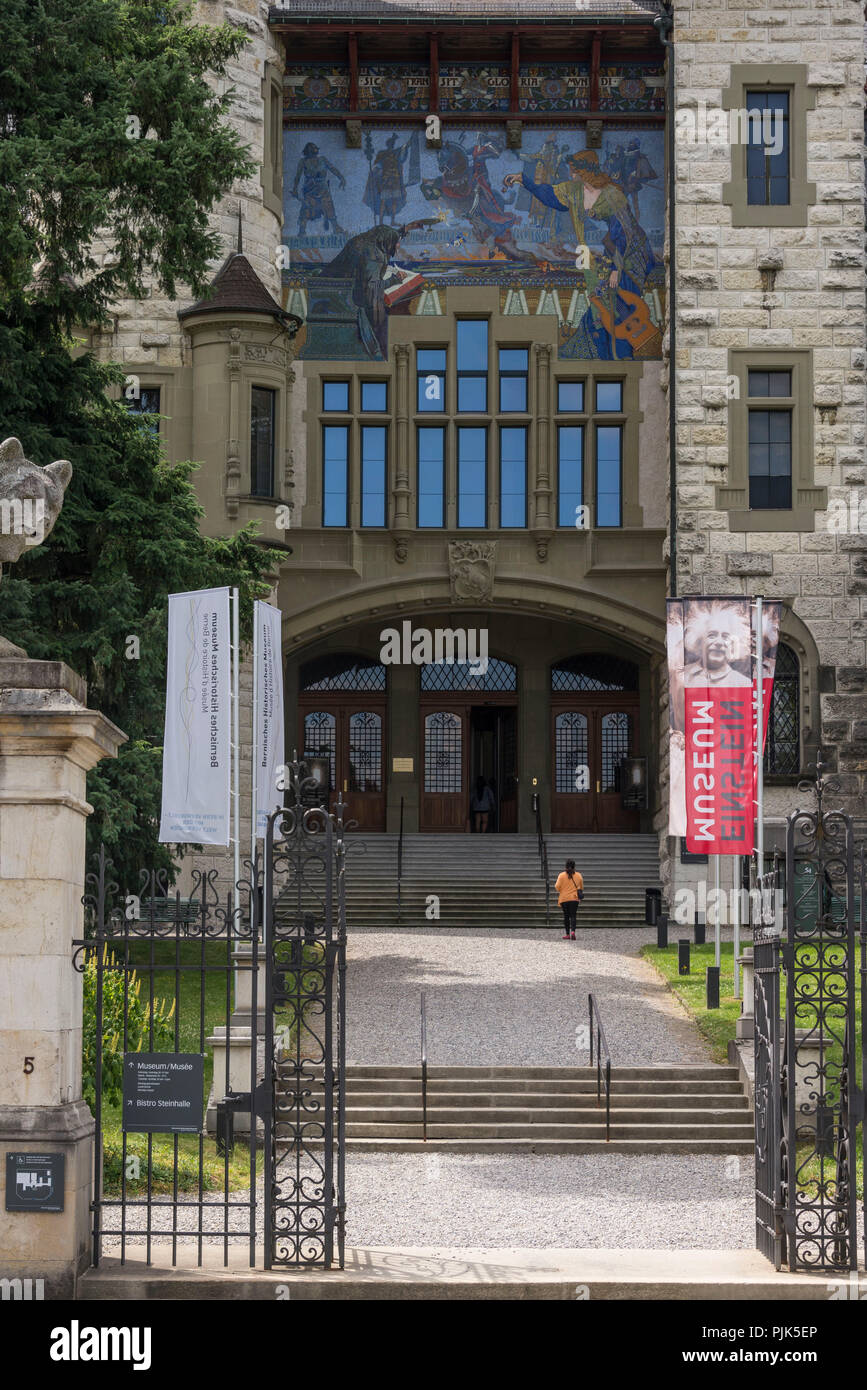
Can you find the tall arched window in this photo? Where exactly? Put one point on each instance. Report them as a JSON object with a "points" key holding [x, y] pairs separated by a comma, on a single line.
{"points": [[783, 744]]}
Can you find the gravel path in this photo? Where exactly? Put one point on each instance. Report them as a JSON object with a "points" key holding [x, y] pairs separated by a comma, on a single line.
{"points": [[536, 1201], [510, 998]]}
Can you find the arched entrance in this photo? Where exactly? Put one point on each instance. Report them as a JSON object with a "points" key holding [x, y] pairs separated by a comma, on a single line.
{"points": [[342, 717], [469, 729], [594, 724]]}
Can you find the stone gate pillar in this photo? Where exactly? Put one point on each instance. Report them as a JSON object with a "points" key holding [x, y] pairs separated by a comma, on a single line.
{"points": [[48, 741]]}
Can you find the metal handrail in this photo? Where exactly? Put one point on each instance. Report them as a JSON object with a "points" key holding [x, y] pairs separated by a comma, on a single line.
{"points": [[601, 1042], [423, 1069], [399, 858], [543, 863]]}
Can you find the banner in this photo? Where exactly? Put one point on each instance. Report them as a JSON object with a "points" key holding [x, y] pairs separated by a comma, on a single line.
{"points": [[197, 742], [713, 742], [269, 733]]}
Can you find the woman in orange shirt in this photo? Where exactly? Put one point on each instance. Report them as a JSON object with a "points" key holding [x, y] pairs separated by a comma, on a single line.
{"points": [[570, 891]]}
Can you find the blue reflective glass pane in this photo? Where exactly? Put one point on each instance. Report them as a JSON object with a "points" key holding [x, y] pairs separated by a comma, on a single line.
{"points": [[513, 393], [374, 395], [570, 395], [431, 392], [335, 475], [513, 359], [607, 476], [373, 452], [430, 477], [472, 394], [570, 455], [472, 335], [513, 477], [431, 359], [609, 395], [335, 395], [472, 458]]}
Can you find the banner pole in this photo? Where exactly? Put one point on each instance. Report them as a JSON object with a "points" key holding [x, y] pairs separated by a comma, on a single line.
{"points": [[736, 924], [760, 737], [236, 770], [717, 924], [254, 763]]}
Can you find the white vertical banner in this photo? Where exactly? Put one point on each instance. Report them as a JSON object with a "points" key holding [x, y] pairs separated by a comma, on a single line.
{"points": [[197, 740], [269, 743]]}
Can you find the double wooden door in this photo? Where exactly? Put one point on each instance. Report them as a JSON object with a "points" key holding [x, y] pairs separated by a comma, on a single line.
{"points": [[461, 742], [588, 739], [350, 732]]}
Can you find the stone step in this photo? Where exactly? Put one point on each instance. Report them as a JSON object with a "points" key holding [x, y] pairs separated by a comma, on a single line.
{"points": [[538, 1145], [371, 1118], [635, 1131], [649, 1091], [663, 1071], [356, 1100]]}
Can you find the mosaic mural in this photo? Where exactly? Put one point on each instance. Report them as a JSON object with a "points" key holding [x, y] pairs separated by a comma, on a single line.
{"points": [[392, 227], [472, 86]]}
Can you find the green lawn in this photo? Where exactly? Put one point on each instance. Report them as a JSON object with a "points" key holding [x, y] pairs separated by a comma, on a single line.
{"points": [[718, 1025], [199, 1009]]}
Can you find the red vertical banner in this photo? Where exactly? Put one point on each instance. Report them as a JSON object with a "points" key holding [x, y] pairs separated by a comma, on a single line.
{"points": [[713, 740]]}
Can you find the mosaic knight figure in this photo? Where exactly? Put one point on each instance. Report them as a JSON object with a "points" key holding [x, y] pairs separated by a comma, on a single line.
{"points": [[30, 502]]}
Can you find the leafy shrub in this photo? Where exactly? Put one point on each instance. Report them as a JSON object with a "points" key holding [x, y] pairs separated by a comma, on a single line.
{"points": [[139, 1015]]}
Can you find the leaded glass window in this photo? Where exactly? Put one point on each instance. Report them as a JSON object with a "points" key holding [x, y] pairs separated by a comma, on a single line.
{"points": [[443, 753], [593, 671], [570, 752], [783, 743], [460, 675], [365, 752], [616, 736], [320, 739]]}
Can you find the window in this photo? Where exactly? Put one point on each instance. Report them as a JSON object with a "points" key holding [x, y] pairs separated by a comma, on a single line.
{"points": [[431, 372], [570, 396], [500, 676], [767, 148], [514, 366], [472, 477], [335, 396], [147, 406], [365, 752], [472, 338], [320, 738], [767, 105], [263, 407], [443, 754], [513, 475], [373, 471], [570, 463], [783, 743], [335, 491], [770, 441], [609, 440], [771, 483], [431, 475], [570, 752], [609, 395], [374, 396]]}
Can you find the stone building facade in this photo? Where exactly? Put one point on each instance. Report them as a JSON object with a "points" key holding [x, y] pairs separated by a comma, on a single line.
{"points": [[532, 499]]}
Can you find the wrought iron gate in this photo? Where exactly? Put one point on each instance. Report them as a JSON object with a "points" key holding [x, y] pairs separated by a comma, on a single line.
{"points": [[305, 1037], [215, 1047], [808, 1104]]}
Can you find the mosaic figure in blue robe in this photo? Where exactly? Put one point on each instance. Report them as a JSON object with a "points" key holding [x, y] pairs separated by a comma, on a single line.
{"points": [[315, 195], [616, 323]]}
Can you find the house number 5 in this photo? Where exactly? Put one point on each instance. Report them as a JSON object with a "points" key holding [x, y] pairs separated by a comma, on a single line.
{"points": [[28, 1065]]}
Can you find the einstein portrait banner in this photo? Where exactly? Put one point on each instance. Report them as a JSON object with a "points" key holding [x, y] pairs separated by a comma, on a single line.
{"points": [[713, 741], [197, 741]]}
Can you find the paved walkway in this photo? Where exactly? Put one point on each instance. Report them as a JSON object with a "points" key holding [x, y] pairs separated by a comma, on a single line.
{"points": [[510, 998]]}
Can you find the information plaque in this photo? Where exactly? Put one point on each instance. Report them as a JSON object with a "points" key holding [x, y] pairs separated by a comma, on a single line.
{"points": [[34, 1182], [162, 1092]]}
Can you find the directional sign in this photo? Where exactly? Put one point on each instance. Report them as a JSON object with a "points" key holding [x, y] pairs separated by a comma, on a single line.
{"points": [[162, 1092], [35, 1182]]}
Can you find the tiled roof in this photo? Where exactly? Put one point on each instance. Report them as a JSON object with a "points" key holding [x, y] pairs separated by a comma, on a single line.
{"points": [[238, 289], [465, 9]]}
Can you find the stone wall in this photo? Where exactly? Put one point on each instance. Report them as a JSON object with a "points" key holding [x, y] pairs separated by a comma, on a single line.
{"points": [[817, 302]]}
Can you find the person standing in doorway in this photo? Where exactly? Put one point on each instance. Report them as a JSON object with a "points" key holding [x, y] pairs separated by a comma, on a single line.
{"points": [[570, 891], [482, 805]]}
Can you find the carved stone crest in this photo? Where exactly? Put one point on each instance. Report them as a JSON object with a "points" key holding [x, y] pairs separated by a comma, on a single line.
{"points": [[471, 570]]}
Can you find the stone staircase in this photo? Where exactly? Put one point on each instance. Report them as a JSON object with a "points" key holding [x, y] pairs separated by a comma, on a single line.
{"points": [[494, 880], [692, 1109]]}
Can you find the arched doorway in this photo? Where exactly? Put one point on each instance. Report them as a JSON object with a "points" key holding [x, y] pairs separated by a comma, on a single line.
{"points": [[341, 716], [594, 724], [469, 729]]}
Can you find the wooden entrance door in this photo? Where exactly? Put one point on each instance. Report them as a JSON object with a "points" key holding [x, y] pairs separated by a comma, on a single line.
{"points": [[588, 739], [445, 788], [350, 732]]}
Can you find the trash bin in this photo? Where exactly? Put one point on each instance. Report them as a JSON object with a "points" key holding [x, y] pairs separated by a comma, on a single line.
{"points": [[652, 905]]}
